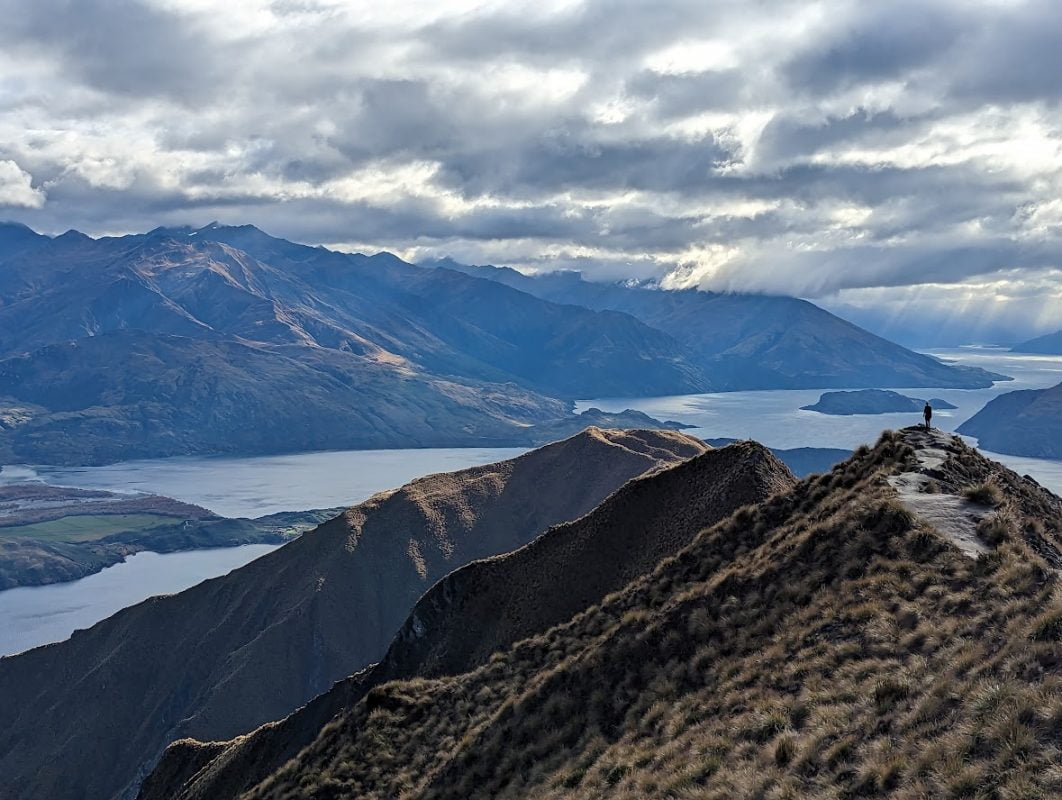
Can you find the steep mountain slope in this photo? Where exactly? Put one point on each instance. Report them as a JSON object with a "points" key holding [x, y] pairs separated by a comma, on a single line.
{"points": [[1022, 423], [1048, 344], [745, 341], [234, 652], [826, 643], [16, 237], [130, 394], [487, 606], [196, 284], [559, 574], [384, 353]]}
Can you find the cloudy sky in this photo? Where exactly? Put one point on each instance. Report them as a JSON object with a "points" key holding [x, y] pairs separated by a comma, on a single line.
{"points": [[900, 161]]}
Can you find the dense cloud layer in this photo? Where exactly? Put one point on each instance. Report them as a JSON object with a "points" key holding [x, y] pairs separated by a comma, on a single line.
{"points": [[810, 148]]}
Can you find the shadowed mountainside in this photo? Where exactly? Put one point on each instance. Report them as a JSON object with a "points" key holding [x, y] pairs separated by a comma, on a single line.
{"points": [[1048, 344], [827, 642], [1023, 423], [489, 605], [746, 341], [227, 340], [184, 341], [234, 652]]}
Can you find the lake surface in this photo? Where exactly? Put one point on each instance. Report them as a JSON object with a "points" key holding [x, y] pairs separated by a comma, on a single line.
{"points": [[259, 485], [36, 615], [267, 484], [235, 487], [774, 417]]}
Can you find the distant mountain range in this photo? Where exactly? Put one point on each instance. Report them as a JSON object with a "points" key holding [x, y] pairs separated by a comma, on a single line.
{"points": [[1049, 344], [228, 340], [1027, 422], [747, 341]]}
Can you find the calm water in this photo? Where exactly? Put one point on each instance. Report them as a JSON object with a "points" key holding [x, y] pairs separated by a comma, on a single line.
{"points": [[35, 615], [263, 485], [237, 487], [252, 487], [775, 419]]}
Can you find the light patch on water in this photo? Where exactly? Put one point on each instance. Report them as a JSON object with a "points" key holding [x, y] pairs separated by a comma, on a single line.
{"points": [[259, 485], [775, 418], [36, 615]]}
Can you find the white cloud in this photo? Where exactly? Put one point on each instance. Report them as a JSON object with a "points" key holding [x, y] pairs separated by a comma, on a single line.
{"points": [[781, 146], [16, 187]]}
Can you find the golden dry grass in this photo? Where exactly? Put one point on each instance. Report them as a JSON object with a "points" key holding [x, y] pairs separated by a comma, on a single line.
{"points": [[824, 644]]}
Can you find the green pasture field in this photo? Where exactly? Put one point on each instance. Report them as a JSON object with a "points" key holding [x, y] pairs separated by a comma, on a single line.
{"points": [[85, 527]]}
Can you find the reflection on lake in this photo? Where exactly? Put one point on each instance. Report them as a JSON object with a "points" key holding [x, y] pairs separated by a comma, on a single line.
{"points": [[36, 615], [259, 485]]}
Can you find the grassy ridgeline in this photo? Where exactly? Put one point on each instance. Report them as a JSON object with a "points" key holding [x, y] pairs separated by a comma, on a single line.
{"points": [[823, 644]]}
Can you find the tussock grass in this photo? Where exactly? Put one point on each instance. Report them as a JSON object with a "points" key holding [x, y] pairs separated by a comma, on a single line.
{"points": [[995, 529], [985, 494], [823, 645]]}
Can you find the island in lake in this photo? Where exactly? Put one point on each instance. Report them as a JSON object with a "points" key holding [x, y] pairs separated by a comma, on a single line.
{"points": [[871, 401]]}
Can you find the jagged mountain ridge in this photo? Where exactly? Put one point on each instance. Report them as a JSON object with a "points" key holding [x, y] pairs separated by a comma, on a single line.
{"points": [[749, 341], [827, 642], [261, 641], [488, 605]]}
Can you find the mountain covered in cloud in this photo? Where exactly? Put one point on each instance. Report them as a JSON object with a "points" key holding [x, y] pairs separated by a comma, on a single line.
{"points": [[752, 341], [225, 339]]}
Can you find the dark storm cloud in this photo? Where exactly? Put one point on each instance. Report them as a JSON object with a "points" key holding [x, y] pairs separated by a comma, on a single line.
{"points": [[787, 138], [121, 46], [875, 42], [820, 147], [1014, 58], [593, 32], [676, 96], [970, 52], [573, 160]]}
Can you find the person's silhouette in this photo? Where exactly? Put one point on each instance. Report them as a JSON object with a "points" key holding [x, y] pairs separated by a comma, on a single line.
{"points": [[927, 412]]}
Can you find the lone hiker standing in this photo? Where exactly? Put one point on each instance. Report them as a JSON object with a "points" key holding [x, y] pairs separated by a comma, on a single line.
{"points": [[927, 412]]}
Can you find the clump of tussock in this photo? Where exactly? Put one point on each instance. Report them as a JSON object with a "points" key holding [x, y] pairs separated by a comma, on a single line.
{"points": [[995, 529], [1048, 626], [985, 494]]}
